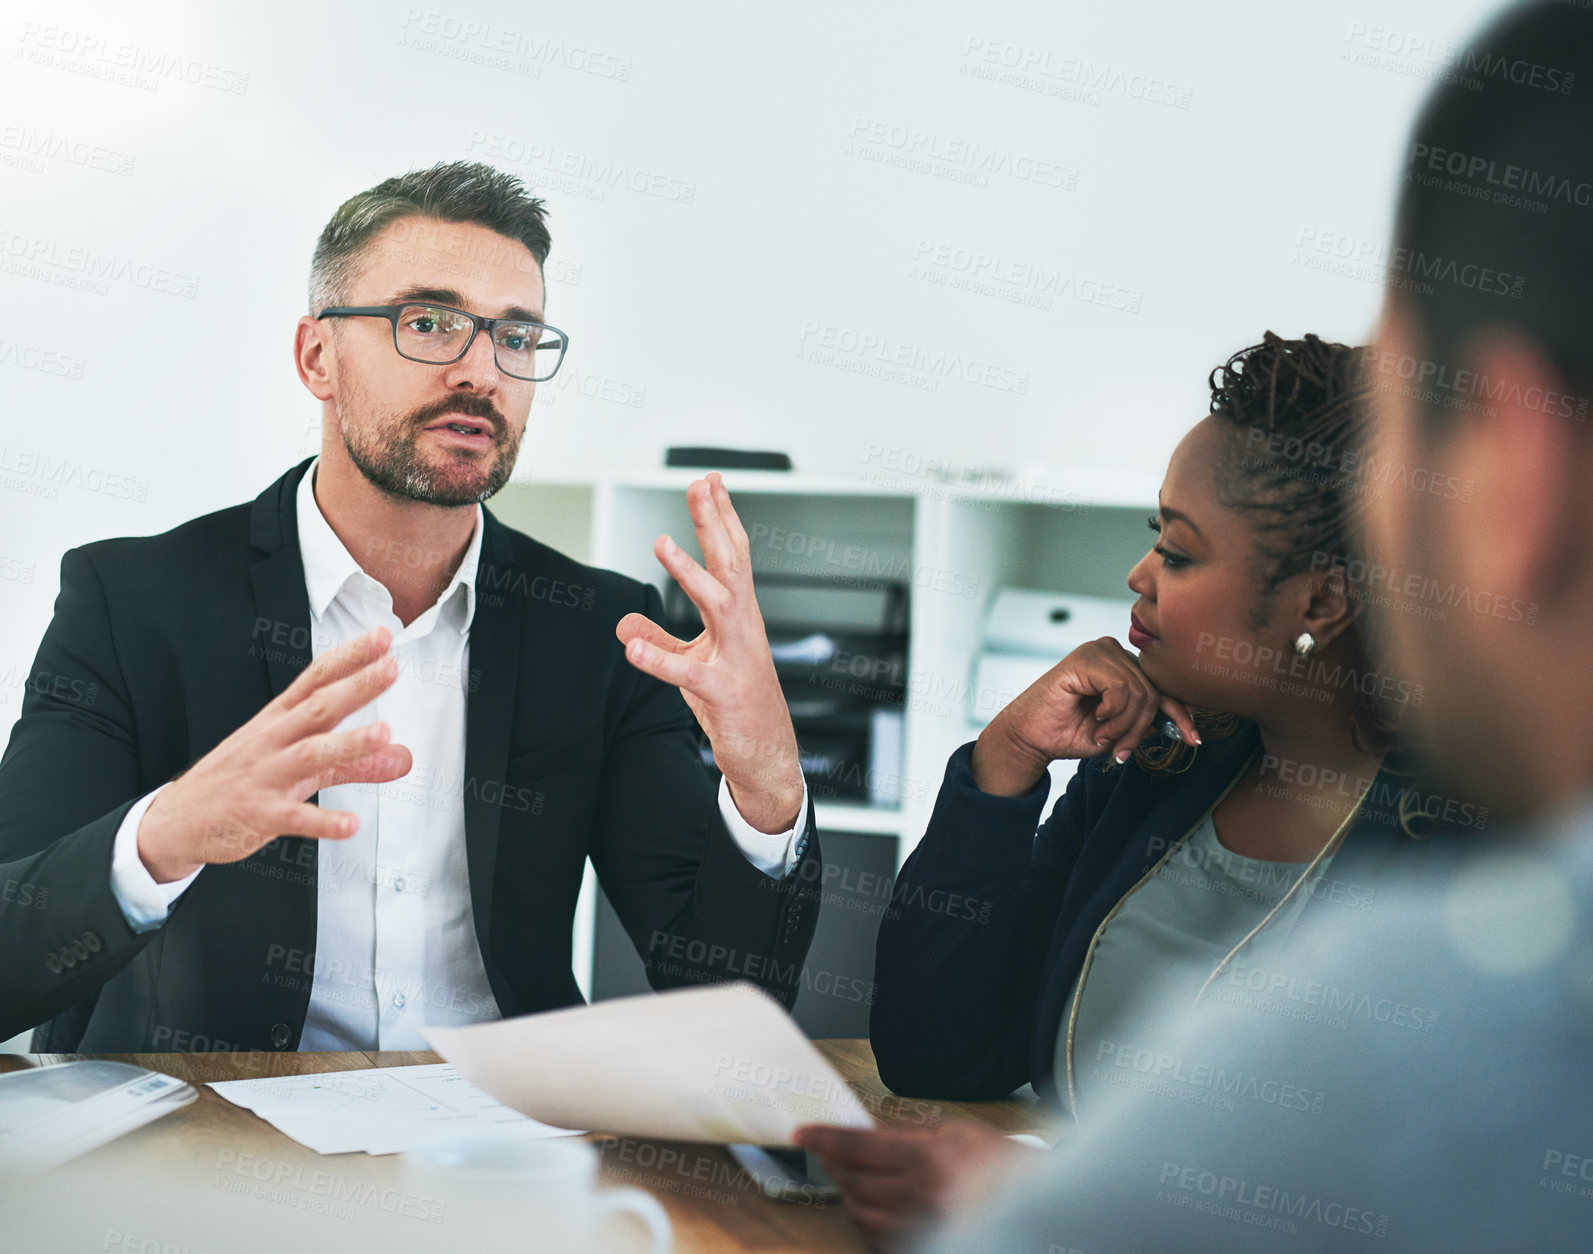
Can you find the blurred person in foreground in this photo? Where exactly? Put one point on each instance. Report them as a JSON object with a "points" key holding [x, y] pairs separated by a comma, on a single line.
{"points": [[1448, 1035]]}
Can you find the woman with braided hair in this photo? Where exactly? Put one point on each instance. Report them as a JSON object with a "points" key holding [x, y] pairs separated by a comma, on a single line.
{"points": [[1175, 867]]}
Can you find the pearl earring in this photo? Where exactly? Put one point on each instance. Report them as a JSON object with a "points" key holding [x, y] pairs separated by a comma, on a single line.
{"points": [[1304, 643]]}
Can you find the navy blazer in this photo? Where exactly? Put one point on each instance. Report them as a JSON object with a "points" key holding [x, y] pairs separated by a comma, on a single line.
{"points": [[990, 920]]}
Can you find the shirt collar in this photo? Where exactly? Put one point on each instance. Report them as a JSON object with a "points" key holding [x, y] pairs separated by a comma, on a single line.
{"points": [[329, 566]]}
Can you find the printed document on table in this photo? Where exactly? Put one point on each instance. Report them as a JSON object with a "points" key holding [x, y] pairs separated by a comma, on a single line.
{"points": [[383, 1110], [723, 1063]]}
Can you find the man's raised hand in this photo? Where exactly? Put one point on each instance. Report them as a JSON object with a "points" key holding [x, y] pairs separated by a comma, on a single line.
{"points": [[726, 674], [254, 786]]}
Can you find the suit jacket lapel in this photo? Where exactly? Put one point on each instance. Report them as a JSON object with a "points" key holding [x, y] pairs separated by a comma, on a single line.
{"points": [[282, 603], [282, 613], [489, 711]]}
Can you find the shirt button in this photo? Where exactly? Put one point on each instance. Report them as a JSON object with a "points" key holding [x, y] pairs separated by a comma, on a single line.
{"points": [[281, 1034], [398, 1000], [53, 962], [399, 884]]}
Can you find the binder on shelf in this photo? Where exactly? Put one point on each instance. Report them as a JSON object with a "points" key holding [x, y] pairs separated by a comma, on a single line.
{"points": [[1026, 632]]}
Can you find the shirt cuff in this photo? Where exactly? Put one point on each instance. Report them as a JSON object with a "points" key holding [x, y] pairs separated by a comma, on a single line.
{"points": [[144, 903], [777, 855]]}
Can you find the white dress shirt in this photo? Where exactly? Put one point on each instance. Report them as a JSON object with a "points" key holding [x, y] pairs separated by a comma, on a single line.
{"points": [[395, 933]]}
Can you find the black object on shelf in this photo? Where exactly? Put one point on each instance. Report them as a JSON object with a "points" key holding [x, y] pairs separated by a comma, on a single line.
{"points": [[706, 457], [840, 650]]}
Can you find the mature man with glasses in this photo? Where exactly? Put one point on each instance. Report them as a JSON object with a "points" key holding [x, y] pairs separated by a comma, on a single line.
{"points": [[352, 744]]}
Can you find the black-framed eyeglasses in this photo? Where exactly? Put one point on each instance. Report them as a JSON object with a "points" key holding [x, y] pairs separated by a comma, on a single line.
{"points": [[439, 335]]}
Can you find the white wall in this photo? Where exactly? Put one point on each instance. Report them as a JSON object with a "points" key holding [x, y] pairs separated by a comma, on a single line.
{"points": [[758, 115], [765, 214]]}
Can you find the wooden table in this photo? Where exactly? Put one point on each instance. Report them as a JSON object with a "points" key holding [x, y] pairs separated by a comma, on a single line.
{"points": [[712, 1204]]}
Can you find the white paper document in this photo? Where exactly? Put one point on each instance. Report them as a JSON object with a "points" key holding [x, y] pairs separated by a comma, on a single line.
{"points": [[382, 1110], [722, 1064]]}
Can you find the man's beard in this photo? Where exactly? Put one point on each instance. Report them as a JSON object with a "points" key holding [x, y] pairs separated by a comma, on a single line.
{"points": [[394, 463]]}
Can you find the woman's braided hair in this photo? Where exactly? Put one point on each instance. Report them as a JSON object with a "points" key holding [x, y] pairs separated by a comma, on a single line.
{"points": [[1295, 412]]}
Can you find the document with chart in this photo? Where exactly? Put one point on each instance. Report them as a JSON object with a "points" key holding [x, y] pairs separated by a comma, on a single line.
{"points": [[382, 1110]]}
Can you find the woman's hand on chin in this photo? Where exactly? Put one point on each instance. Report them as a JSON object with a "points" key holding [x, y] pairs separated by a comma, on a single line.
{"points": [[1095, 700]]}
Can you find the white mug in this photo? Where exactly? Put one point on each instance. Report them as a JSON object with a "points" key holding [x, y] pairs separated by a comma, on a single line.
{"points": [[505, 1188]]}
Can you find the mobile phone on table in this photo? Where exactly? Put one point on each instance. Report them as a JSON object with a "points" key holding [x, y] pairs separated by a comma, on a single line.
{"points": [[785, 1174]]}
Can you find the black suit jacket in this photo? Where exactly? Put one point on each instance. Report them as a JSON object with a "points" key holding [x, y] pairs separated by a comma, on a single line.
{"points": [[161, 646]]}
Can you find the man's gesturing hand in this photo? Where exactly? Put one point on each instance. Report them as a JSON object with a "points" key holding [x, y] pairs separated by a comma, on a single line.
{"points": [[254, 785], [726, 674]]}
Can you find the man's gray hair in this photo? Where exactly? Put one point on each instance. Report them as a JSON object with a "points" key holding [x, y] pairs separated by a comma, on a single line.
{"points": [[459, 191]]}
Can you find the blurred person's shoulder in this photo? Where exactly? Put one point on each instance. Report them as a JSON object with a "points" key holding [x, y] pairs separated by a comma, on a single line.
{"points": [[1413, 1077]]}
